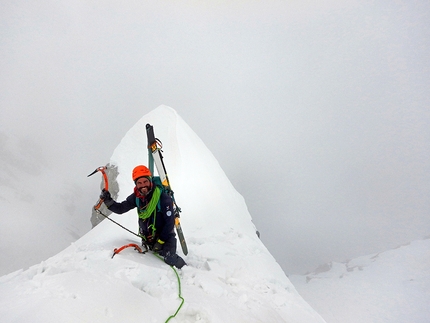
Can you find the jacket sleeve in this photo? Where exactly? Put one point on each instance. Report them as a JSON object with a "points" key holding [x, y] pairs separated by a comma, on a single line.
{"points": [[166, 211], [124, 206]]}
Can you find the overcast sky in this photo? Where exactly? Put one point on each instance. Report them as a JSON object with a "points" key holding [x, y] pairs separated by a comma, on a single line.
{"points": [[318, 111]]}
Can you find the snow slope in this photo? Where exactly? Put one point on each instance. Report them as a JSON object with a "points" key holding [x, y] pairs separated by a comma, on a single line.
{"points": [[35, 206], [231, 276], [389, 287]]}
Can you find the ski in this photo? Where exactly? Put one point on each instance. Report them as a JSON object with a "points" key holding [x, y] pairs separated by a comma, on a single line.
{"points": [[155, 157]]}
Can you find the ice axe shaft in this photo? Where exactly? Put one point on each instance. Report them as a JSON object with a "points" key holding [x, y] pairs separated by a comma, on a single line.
{"points": [[105, 178]]}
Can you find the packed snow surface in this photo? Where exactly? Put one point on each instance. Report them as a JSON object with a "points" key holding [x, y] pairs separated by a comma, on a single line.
{"points": [[389, 287], [230, 277]]}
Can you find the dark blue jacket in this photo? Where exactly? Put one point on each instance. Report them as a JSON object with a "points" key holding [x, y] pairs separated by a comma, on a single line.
{"points": [[164, 219]]}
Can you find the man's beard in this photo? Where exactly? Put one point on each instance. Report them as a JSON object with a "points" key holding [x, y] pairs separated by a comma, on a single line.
{"points": [[144, 190]]}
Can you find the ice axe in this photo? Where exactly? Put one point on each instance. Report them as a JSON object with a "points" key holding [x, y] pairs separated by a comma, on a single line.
{"points": [[99, 203], [102, 170]]}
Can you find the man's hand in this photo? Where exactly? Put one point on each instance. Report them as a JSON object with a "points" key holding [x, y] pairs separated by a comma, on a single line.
{"points": [[106, 197]]}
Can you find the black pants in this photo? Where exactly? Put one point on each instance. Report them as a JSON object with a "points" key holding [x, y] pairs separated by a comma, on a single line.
{"points": [[169, 248], [169, 253]]}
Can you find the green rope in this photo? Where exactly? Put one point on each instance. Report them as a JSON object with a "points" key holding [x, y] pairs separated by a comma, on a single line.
{"points": [[179, 293], [150, 208]]}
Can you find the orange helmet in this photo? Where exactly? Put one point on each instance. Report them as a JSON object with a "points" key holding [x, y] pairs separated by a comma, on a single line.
{"points": [[140, 171]]}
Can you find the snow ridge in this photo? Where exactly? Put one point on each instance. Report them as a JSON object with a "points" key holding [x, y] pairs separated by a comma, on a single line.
{"points": [[230, 277]]}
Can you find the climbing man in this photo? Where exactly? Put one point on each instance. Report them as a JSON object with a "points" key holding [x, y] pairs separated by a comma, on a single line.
{"points": [[155, 211]]}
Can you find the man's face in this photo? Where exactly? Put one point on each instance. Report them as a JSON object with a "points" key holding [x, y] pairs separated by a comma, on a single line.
{"points": [[143, 185]]}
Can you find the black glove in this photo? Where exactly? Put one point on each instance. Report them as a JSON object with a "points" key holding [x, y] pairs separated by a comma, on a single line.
{"points": [[107, 199], [158, 246]]}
